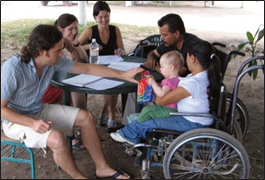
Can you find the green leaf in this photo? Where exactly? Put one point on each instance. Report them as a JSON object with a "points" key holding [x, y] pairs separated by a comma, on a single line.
{"points": [[250, 37], [255, 74], [240, 46], [256, 32], [261, 35]]}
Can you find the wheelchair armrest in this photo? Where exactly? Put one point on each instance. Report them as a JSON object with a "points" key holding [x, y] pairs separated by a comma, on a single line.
{"points": [[209, 115], [195, 114]]}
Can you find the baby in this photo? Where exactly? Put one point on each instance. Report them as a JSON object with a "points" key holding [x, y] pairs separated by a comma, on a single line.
{"points": [[170, 64]]}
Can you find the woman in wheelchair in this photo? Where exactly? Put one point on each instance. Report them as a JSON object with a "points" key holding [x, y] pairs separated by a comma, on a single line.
{"points": [[191, 96]]}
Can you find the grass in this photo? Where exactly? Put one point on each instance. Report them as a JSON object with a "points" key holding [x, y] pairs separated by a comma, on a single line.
{"points": [[15, 33]]}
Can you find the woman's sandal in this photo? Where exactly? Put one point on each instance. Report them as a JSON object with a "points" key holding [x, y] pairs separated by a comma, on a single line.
{"points": [[102, 122], [111, 124], [78, 146]]}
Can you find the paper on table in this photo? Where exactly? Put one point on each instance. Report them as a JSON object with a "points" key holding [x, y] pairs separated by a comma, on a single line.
{"points": [[108, 59], [81, 80], [103, 84], [124, 66]]}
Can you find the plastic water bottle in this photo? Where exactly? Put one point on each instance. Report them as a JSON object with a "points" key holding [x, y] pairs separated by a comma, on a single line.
{"points": [[94, 51]]}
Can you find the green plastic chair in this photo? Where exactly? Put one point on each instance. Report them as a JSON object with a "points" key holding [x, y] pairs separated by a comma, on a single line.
{"points": [[15, 151], [146, 45]]}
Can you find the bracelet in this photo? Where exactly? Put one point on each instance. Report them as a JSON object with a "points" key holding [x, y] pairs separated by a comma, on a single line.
{"points": [[76, 45]]}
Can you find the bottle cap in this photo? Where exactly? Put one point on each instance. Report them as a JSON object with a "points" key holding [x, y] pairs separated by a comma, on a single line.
{"points": [[93, 40]]}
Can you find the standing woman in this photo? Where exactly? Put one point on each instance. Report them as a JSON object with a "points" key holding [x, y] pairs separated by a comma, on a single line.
{"points": [[68, 25], [110, 43]]}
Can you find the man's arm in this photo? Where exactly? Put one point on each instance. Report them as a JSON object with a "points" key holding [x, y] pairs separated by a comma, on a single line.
{"points": [[152, 59], [98, 70], [39, 126]]}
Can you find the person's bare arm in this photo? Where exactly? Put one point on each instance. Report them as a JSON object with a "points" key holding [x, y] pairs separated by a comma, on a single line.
{"points": [[85, 36], [159, 91], [152, 59], [77, 53], [173, 96], [39, 126], [98, 70], [80, 51], [120, 51]]}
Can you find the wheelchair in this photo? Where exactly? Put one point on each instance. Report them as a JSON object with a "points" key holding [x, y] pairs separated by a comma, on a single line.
{"points": [[204, 153], [151, 42]]}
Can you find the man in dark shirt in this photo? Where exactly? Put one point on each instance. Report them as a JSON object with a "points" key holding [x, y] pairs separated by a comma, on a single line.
{"points": [[174, 37]]}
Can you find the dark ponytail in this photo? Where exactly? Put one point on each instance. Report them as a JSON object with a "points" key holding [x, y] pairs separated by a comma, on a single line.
{"points": [[43, 37], [205, 53]]}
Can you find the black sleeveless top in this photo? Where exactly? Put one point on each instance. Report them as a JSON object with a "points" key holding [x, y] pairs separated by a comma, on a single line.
{"points": [[108, 49]]}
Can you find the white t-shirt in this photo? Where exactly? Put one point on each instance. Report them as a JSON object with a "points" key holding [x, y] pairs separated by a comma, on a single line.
{"points": [[198, 101]]}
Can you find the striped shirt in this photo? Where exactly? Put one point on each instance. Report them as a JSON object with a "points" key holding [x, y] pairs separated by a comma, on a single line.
{"points": [[21, 86]]}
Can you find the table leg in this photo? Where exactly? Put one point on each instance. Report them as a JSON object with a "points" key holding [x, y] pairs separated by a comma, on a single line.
{"points": [[67, 98], [123, 102]]}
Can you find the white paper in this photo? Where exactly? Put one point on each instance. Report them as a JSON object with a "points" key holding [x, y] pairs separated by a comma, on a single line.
{"points": [[124, 66], [107, 59], [103, 84], [81, 80]]}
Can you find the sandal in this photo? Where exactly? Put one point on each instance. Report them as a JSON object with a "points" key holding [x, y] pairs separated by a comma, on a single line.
{"points": [[102, 122], [114, 176], [78, 134], [111, 124], [79, 145]]}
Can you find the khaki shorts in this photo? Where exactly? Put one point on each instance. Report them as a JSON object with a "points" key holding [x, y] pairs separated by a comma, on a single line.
{"points": [[62, 117]]}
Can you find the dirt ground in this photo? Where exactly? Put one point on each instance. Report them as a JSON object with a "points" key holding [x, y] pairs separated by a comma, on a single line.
{"points": [[226, 24]]}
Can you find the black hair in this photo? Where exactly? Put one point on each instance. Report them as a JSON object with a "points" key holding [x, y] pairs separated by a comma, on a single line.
{"points": [[205, 53], [65, 20], [100, 6], [174, 23], [43, 37]]}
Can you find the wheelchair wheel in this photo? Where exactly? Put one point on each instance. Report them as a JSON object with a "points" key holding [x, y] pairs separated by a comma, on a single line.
{"points": [[238, 132], [241, 115], [206, 153]]}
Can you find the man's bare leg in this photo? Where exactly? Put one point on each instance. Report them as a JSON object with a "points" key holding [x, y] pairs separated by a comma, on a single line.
{"points": [[91, 140], [62, 157]]}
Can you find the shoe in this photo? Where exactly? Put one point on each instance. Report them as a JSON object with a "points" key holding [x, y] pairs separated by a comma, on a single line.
{"points": [[79, 145], [114, 176], [102, 122], [118, 138], [111, 130], [111, 124]]}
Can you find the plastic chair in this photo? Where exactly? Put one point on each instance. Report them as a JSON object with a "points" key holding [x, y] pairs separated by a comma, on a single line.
{"points": [[146, 45], [15, 151]]}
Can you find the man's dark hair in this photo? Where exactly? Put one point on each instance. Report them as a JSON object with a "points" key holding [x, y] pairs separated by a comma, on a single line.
{"points": [[174, 23], [43, 37], [100, 6]]}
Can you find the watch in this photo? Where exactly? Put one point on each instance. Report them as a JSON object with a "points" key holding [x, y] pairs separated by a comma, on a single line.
{"points": [[76, 45]]}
